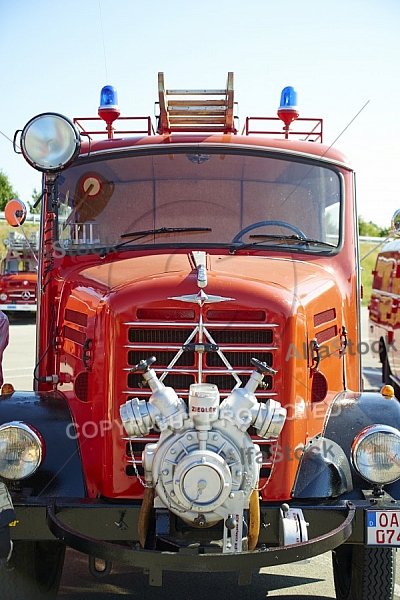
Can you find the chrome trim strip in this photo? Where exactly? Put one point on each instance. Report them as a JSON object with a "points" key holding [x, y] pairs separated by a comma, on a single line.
{"points": [[185, 393], [148, 148], [159, 346], [210, 325], [188, 370]]}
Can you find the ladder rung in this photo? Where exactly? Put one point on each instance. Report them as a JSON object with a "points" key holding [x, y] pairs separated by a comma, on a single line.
{"points": [[198, 129], [197, 120], [194, 110], [196, 103], [195, 92]]}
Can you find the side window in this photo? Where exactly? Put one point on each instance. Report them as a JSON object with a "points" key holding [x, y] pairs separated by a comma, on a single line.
{"points": [[332, 223], [13, 266]]}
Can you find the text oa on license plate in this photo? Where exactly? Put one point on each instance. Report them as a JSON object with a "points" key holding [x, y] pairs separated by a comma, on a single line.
{"points": [[383, 527]]}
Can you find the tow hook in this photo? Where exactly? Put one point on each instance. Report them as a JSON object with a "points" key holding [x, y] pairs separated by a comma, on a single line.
{"points": [[7, 516], [94, 569]]}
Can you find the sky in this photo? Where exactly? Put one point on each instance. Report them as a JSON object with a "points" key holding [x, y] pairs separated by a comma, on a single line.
{"points": [[341, 56]]}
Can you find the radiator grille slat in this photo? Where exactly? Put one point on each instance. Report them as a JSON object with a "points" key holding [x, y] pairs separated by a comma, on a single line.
{"points": [[76, 317], [163, 358], [326, 334], [238, 359], [247, 336], [158, 336], [324, 317], [74, 335]]}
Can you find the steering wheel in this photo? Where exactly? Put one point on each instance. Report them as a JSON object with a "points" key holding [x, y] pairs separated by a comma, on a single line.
{"points": [[239, 235]]}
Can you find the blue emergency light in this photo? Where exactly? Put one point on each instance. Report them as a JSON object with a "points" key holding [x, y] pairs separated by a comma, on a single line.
{"points": [[288, 98], [109, 109], [108, 97], [288, 111]]}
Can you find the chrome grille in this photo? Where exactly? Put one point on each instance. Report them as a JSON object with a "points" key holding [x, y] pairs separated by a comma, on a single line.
{"points": [[18, 295], [237, 344]]}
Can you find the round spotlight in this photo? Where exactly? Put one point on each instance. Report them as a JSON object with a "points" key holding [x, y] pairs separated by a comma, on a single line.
{"points": [[376, 454], [50, 142], [21, 450]]}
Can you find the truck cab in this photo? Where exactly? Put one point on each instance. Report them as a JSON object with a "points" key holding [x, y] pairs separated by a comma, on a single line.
{"points": [[195, 405]]}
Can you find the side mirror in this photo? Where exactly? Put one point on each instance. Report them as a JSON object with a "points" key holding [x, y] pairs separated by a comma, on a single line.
{"points": [[396, 222], [15, 212]]}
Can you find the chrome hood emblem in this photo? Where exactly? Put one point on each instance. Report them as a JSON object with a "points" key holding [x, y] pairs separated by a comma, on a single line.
{"points": [[201, 298]]}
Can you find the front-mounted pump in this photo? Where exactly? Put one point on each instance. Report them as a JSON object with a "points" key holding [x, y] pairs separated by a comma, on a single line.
{"points": [[205, 466]]}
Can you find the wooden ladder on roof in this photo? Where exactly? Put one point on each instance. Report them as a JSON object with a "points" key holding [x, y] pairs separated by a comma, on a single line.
{"points": [[188, 111]]}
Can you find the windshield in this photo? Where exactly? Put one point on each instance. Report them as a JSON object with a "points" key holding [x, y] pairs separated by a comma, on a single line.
{"points": [[184, 197], [18, 265]]}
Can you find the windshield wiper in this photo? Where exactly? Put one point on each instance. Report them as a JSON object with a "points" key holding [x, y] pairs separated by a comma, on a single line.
{"points": [[280, 238], [298, 238], [137, 235], [165, 230]]}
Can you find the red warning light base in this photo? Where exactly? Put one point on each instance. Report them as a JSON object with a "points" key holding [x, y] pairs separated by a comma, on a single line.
{"points": [[288, 115], [109, 115]]}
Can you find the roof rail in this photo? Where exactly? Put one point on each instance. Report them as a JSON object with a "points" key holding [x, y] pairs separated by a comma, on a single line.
{"points": [[305, 129], [96, 126], [19, 243], [190, 112]]}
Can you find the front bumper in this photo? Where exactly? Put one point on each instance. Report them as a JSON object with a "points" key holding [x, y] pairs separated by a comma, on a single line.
{"points": [[18, 307], [109, 531]]}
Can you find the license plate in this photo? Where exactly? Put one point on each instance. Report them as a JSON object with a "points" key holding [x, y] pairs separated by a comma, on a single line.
{"points": [[383, 527]]}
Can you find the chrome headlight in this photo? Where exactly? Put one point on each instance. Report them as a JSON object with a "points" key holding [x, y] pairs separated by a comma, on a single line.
{"points": [[50, 142], [21, 450], [376, 454]]}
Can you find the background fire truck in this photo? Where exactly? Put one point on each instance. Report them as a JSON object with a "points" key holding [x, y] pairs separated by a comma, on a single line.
{"points": [[198, 404], [384, 307], [18, 281]]}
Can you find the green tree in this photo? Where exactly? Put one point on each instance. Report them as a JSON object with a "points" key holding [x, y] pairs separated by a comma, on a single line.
{"points": [[370, 229], [34, 210], [6, 190]]}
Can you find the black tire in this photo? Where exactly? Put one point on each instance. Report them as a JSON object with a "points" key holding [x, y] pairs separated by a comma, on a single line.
{"points": [[33, 572], [386, 371], [362, 573]]}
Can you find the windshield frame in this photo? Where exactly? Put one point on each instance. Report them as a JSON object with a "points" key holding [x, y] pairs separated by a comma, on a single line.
{"points": [[266, 245]]}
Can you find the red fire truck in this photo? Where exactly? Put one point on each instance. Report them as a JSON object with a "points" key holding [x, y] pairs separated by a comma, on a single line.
{"points": [[18, 279], [196, 407], [384, 307]]}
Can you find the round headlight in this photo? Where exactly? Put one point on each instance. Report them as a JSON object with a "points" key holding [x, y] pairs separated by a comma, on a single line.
{"points": [[376, 454], [3, 297], [50, 142], [21, 450]]}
